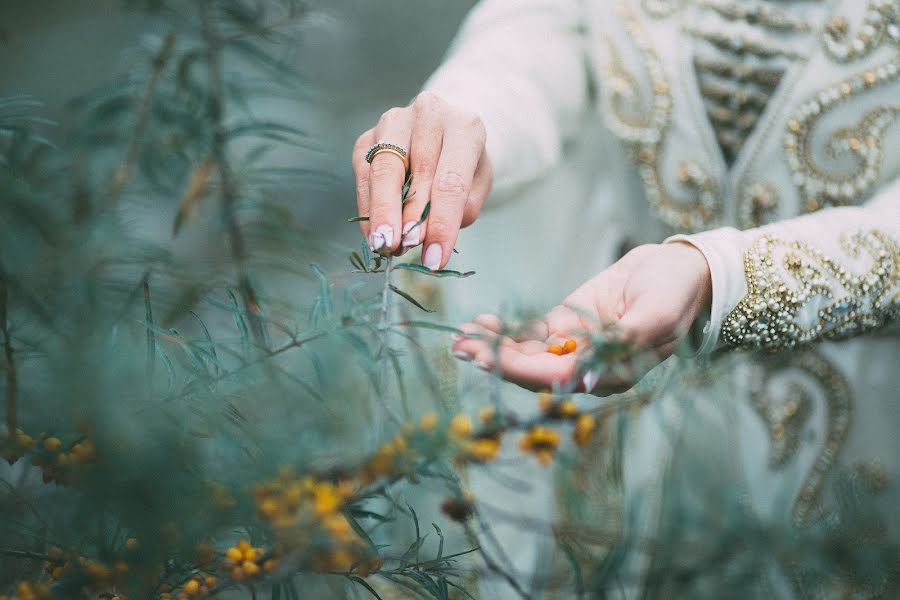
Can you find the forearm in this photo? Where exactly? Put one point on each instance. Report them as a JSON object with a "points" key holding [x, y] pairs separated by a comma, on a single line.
{"points": [[828, 275]]}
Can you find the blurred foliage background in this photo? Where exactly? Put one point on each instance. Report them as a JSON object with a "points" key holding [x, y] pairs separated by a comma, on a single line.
{"points": [[358, 58]]}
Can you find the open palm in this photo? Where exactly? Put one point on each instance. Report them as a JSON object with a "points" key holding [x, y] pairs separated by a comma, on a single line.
{"points": [[647, 300]]}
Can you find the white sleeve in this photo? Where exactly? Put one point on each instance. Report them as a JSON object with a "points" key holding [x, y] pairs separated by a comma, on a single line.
{"points": [[828, 275], [520, 65]]}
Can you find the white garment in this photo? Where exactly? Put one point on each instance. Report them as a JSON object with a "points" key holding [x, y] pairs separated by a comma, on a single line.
{"points": [[543, 74]]}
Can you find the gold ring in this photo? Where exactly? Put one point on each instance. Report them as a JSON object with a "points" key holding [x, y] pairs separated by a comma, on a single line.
{"points": [[394, 152], [385, 146]]}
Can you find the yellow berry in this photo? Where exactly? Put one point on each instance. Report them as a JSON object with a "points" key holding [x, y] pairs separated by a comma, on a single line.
{"points": [[270, 565], [52, 444], [234, 554], [486, 414], [131, 544], [585, 426], [192, 586], [251, 569], [461, 425], [555, 349], [569, 346], [429, 421], [211, 581]]}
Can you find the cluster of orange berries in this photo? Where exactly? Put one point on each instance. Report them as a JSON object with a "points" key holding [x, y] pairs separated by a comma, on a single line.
{"points": [[49, 453], [288, 500], [198, 586], [243, 561], [543, 442], [29, 591], [484, 446], [102, 577], [290, 503], [567, 347]]}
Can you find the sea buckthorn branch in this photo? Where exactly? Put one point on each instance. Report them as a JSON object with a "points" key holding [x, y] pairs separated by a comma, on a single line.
{"points": [[228, 191], [142, 119], [11, 391]]}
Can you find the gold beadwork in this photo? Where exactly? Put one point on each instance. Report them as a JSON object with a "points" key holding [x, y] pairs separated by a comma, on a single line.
{"points": [[785, 415], [880, 26], [796, 294], [819, 186], [646, 134]]}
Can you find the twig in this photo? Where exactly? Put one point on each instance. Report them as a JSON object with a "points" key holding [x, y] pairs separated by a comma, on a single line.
{"points": [[384, 331], [228, 186], [123, 173], [495, 568], [28, 555], [12, 381]]}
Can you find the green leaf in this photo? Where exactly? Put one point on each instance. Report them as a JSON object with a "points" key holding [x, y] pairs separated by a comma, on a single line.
{"points": [[429, 325], [324, 291], [409, 298], [461, 589], [426, 271], [440, 533], [360, 581], [576, 568], [357, 219]]}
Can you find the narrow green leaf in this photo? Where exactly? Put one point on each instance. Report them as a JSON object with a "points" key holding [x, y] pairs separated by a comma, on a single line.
{"points": [[357, 219], [409, 298], [360, 581], [440, 533], [426, 271], [429, 325]]}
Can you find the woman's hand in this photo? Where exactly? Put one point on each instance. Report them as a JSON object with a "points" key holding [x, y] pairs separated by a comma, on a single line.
{"points": [[649, 299], [448, 165]]}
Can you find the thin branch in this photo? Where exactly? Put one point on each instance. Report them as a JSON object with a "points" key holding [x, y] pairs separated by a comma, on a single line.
{"points": [[28, 555], [495, 568], [228, 192], [125, 170], [12, 381], [384, 332]]}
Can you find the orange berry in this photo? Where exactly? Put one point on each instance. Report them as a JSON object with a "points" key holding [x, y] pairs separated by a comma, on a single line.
{"points": [[461, 425], [192, 586], [251, 569], [555, 349], [52, 444], [569, 347], [234, 554], [429, 421]]}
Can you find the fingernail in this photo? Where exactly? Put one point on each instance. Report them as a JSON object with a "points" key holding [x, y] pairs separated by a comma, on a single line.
{"points": [[387, 235], [432, 257], [376, 241], [456, 337], [462, 355], [590, 381], [411, 233], [482, 365]]}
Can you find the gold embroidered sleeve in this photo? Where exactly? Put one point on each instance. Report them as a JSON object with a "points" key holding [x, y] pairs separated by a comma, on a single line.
{"points": [[796, 294]]}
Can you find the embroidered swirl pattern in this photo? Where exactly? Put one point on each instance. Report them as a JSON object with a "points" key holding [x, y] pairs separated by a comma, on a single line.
{"points": [[786, 416], [646, 134], [797, 294], [818, 186], [880, 26]]}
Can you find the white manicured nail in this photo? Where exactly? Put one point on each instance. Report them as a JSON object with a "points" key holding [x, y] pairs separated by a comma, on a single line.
{"points": [[456, 337], [387, 235], [376, 241], [411, 234], [432, 257], [462, 355], [590, 381]]}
